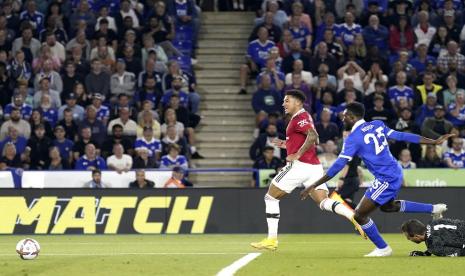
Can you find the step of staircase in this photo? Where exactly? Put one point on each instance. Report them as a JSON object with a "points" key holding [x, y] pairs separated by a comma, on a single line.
{"points": [[221, 88], [220, 50], [224, 179], [218, 58], [233, 74], [224, 35], [223, 163], [222, 145], [226, 97], [208, 43], [222, 81], [215, 137], [225, 105]]}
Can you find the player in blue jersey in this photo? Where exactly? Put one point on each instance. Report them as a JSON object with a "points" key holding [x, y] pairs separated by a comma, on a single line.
{"points": [[368, 140]]}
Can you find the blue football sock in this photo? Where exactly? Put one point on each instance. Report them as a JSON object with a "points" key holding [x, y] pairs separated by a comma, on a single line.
{"points": [[415, 207], [373, 234]]}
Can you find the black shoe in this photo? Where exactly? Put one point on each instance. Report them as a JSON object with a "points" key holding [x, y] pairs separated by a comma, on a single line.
{"points": [[242, 91], [196, 155]]}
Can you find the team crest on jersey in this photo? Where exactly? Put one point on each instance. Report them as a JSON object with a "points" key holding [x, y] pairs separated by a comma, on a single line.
{"points": [[303, 122]]}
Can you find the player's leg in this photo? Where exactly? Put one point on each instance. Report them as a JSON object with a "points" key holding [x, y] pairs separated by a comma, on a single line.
{"points": [[405, 206]]}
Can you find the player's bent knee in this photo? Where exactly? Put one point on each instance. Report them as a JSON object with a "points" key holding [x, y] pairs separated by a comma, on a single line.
{"points": [[359, 217]]}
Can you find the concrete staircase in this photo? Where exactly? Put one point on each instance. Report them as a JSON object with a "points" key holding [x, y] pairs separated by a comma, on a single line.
{"points": [[225, 133]]}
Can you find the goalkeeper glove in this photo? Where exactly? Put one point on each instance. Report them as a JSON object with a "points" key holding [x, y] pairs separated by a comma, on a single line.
{"points": [[419, 253]]}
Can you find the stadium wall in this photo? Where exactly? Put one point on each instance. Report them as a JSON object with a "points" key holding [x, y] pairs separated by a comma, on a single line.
{"points": [[172, 211]]}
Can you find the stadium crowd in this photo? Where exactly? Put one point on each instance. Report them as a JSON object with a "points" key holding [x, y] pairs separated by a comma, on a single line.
{"points": [[403, 59], [94, 85]]}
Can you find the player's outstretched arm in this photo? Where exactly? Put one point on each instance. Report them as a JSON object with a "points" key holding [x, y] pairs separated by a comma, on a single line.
{"points": [[415, 138], [312, 139], [439, 141]]}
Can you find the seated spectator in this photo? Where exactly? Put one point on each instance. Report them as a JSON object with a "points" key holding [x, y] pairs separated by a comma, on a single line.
{"points": [[119, 161], [143, 160], [379, 112], [401, 36], [84, 139], [82, 97], [36, 153], [10, 159], [173, 158], [38, 119], [268, 160], [284, 45], [96, 182], [421, 59], [177, 179], [299, 84], [447, 95], [18, 102], [400, 92], [149, 92], [431, 158], [405, 160], [454, 158], [351, 71], [103, 111], [19, 68], [374, 75], [426, 110], [329, 154], [348, 85], [49, 114], [71, 103], [13, 137], [456, 110], [117, 138], [406, 124], [257, 53], [325, 99], [98, 81], [436, 126], [322, 56], [46, 90], [56, 162], [64, 145], [349, 98], [424, 31], [170, 119], [279, 16], [345, 33], [265, 98], [147, 121], [266, 139], [324, 81], [326, 129], [427, 87], [134, 64], [334, 48], [81, 42], [298, 68], [149, 142], [276, 76], [172, 137], [295, 53], [124, 101], [141, 182], [376, 34], [26, 41], [327, 23], [301, 33], [438, 45], [69, 125], [176, 89], [149, 47], [47, 72], [99, 131], [122, 81], [274, 31], [273, 119], [129, 126], [449, 23], [452, 56], [90, 160], [23, 127]]}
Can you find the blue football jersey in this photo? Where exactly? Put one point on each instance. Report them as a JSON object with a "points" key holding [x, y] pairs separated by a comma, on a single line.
{"points": [[347, 33], [259, 52], [397, 93], [457, 159], [368, 140]]}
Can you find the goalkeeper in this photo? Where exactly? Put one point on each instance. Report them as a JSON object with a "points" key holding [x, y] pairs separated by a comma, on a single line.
{"points": [[443, 237]]}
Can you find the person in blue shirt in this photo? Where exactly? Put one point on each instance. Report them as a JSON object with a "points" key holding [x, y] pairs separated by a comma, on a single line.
{"points": [[345, 32], [90, 161], [173, 158], [14, 138], [266, 98], [18, 102], [400, 92], [376, 34], [301, 33], [147, 141], [257, 53], [176, 86], [35, 18], [65, 146], [455, 157], [369, 141]]}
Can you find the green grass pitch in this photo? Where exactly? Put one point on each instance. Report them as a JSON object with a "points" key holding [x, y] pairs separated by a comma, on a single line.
{"points": [[310, 254]]}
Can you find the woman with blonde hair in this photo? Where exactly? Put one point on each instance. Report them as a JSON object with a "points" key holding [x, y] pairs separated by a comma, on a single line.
{"points": [[147, 120], [171, 119], [10, 159]]}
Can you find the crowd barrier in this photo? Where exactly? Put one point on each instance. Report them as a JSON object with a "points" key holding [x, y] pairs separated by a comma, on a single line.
{"points": [[172, 211]]}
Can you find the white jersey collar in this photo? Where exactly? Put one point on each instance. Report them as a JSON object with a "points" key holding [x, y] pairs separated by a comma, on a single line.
{"points": [[357, 124], [298, 112]]}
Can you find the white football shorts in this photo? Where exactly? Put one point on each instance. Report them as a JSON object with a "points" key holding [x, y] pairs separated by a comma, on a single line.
{"points": [[297, 174]]}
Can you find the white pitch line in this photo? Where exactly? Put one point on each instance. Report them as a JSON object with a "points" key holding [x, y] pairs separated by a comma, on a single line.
{"points": [[134, 253], [192, 243], [234, 267]]}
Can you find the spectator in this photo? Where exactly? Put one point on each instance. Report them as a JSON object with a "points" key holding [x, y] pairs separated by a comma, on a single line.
{"points": [[274, 30], [266, 139], [452, 56], [328, 23], [129, 126], [10, 159], [326, 129], [426, 110], [276, 76], [348, 85], [149, 142], [323, 56], [422, 59], [44, 89], [90, 160], [123, 102], [436, 126], [49, 114], [284, 45], [299, 84], [122, 82], [64, 145], [268, 160], [301, 33], [427, 87], [18, 102], [82, 98], [265, 98], [26, 43], [454, 158], [84, 139], [376, 34], [401, 36], [71, 104], [144, 161], [452, 28], [295, 53], [447, 95], [431, 158], [456, 110], [150, 92], [329, 154], [172, 137], [279, 16], [171, 119], [56, 162], [176, 89], [96, 182], [70, 126], [438, 45], [406, 124], [334, 48], [177, 179], [141, 182], [37, 119], [374, 75], [351, 71], [98, 81], [173, 158], [80, 42], [424, 31], [13, 137], [19, 68], [400, 92], [345, 33], [257, 52], [146, 120], [83, 15], [119, 161], [23, 127], [57, 49], [99, 131], [36, 154], [405, 160], [298, 68], [117, 138]]}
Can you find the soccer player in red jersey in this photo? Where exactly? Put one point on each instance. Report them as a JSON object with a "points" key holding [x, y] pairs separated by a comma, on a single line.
{"points": [[303, 168]]}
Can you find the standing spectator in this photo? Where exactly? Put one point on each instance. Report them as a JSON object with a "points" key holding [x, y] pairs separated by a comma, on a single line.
{"points": [[265, 98], [452, 56], [436, 126], [98, 81], [96, 182], [257, 52], [129, 126], [141, 182], [454, 158], [18, 102], [99, 131], [122, 81], [431, 158], [23, 127], [64, 145], [37, 149], [90, 161], [376, 34], [401, 36], [173, 158], [119, 161], [405, 160]]}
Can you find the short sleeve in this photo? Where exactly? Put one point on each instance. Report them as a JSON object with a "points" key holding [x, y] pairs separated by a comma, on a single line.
{"points": [[447, 155], [349, 148], [304, 124]]}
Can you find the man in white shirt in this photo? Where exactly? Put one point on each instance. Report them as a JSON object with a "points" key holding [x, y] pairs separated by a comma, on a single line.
{"points": [[298, 67], [119, 161], [129, 126]]}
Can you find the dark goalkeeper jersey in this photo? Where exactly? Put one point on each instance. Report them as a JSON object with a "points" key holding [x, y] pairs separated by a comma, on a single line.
{"points": [[446, 237]]}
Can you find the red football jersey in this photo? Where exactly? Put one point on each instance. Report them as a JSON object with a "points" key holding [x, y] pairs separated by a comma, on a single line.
{"points": [[296, 133]]}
